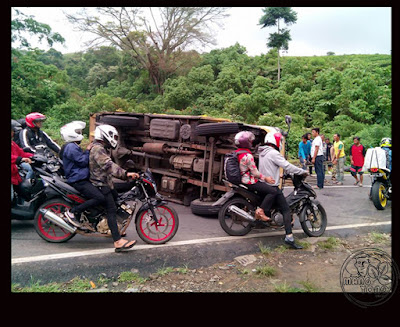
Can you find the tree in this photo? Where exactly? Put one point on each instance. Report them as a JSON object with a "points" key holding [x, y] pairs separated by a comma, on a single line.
{"points": [[158, 46], [23, 24], [272, 17]]}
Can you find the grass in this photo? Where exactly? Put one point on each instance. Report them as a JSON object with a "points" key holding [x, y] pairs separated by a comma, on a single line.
{"points": [[378, 237], [330, 243], [265, 250], [266, 270], [286, 288], [129, 276]]}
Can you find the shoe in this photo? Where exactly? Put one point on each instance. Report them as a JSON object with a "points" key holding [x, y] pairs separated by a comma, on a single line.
{"points": [[339, 183], [356, 183], [360, 185], [72, 219], [293, 244], [260, 215]]}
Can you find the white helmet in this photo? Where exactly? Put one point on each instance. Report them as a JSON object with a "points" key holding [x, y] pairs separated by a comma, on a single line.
{"points": [[108, 134], [274, 139], [72, 132]]}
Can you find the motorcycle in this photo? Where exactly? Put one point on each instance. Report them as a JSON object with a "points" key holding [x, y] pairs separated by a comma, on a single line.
{"points": [[381, 189], [30, 193], [156, 223], [237, 215]]}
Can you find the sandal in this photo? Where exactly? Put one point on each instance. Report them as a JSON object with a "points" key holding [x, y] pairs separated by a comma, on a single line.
{"points": [[125, 246]]}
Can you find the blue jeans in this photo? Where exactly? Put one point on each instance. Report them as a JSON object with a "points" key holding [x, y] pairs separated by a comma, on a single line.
{"points": [[29, 171], [319, 170]]}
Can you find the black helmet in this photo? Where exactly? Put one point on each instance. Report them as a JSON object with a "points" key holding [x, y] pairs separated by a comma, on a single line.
{"points": [[15, 126]]}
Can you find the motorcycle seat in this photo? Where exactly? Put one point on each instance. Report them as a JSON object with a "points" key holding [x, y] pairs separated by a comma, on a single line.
{"points": [[63, 183]]}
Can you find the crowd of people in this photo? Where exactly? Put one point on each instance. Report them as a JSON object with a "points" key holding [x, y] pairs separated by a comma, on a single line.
{"points": [[324, 156]]}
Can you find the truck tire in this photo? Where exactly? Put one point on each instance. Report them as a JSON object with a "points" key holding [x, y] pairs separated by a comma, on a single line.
{"points": [[203, 208], [216, 128], [120, 121]]}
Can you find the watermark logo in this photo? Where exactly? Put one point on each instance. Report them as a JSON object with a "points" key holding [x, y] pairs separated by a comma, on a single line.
{"points": [[369, 277]]}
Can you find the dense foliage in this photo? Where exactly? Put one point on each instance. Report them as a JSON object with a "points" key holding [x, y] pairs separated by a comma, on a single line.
{"points": [[349, 94]]}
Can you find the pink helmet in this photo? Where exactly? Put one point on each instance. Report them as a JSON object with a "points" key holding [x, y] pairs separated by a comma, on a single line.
{"points": [[244, 139], [33, 117]]}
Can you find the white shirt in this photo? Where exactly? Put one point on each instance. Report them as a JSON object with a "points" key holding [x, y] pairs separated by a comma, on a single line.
{"points": [[317, 142]]}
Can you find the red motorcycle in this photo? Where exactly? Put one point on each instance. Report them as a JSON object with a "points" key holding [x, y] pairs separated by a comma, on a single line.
{"points": [[156, 223]]}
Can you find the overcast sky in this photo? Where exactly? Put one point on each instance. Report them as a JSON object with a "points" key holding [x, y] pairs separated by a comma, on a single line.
{"points": [[342, 30]]}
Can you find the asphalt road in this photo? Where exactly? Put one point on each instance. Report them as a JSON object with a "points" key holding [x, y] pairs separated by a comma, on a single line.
{"points": [[200, 241]]}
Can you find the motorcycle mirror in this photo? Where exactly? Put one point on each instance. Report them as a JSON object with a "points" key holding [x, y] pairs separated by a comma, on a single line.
{"points": [[288, 120]]}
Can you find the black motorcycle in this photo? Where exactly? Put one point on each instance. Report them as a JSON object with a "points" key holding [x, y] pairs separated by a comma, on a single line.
{"points": [[29, 195], [237, 215], [156, 223]]}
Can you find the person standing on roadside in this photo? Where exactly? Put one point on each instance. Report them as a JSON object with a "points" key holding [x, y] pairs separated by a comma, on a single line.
{"points": [[339, 158], [304, 151], [357, 155], [309, 142], [317, 156]]}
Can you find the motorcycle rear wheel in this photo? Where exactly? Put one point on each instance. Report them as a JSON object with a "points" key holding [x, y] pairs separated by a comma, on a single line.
{"points": [[165, 230], [46, 229], [232, 224], [378, 195], [313, 227]]}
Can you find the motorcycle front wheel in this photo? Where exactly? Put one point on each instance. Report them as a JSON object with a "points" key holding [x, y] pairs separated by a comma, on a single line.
{"points": [[157, 233], [233, 224], [378, 197], [313, 225], [46, 229]]}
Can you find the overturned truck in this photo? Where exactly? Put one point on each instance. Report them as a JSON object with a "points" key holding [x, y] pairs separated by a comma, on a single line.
{"points": [[184, 153]]}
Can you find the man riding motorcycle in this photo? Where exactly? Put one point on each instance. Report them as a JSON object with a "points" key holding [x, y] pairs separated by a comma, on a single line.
{"points": [[32, 135], [102, 168], [76, 167], [270, 160]]}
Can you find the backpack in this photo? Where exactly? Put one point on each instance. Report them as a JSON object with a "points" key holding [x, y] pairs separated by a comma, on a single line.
{"points": [[232, 167]]}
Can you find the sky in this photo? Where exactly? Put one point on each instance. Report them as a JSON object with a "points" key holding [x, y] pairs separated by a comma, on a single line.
{"points": [[318, 30]]}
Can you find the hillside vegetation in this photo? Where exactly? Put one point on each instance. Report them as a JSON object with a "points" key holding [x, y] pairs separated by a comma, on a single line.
{"points": [[349, 94]]}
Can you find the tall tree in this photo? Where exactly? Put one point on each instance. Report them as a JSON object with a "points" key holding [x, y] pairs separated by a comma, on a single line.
{"points": [[157, 42], [279, 40]]}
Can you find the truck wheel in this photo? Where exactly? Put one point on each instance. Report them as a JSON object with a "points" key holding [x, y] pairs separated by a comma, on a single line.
{"points": [[216, 128], [203, 208], [120, 121]]}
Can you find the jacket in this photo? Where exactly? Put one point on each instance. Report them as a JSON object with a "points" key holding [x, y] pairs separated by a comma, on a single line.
{"points": [[30, 137], [102, 168], [270, 160], [16, 156], [75, 162], [248, 168]]}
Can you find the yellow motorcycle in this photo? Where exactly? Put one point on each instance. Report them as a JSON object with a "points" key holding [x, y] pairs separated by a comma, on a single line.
{"points": [[381, 189]]}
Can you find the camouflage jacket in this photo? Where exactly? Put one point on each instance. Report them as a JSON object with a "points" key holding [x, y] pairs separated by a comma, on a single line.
{"points": [[102, 168]]}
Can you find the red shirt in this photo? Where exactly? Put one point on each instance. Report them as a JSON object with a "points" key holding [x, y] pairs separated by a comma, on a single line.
{"points": [[358, 154]]}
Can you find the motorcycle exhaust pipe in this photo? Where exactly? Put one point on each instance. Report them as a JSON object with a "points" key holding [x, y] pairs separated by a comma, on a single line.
{"points": [[57, 220], [245, 215]]}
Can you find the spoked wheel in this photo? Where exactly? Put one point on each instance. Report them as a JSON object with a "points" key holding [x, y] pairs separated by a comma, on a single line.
{"points": [[232, 223], [46, 229], [153, 233], [313, 222]]}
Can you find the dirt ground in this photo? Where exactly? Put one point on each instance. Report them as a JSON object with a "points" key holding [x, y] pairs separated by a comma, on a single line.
{"points": [[315, 268]]}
